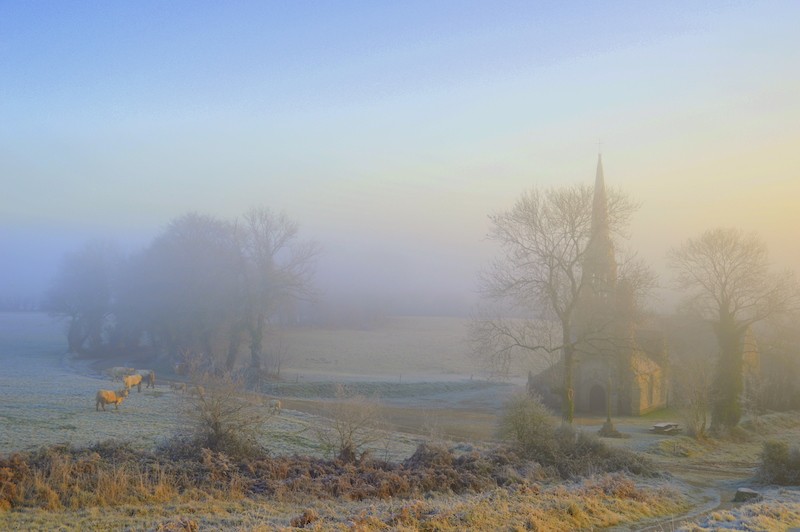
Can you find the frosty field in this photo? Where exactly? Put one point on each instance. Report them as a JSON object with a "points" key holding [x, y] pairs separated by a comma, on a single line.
{"points": [[417, 367], [43, 400], [430, 390]]}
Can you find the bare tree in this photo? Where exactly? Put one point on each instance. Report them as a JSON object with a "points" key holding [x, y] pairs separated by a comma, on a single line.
{"points": [[728, 278], [277, 268], [539, 277]]}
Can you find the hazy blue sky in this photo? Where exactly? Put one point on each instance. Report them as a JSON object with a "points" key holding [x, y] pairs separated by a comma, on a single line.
{"points": [[390, 130]]}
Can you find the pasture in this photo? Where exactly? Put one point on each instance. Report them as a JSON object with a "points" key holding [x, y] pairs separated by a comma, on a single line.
{"points": [[419, 369], [429, 389]]}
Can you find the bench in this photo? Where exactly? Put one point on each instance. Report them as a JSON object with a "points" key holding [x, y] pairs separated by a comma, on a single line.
{"points": [[665, 428]]}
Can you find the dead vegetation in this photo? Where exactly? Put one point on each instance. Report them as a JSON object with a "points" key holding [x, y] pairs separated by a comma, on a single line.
{"points": [[220, 416], [354, 424], [113, 473], [597, 502]]}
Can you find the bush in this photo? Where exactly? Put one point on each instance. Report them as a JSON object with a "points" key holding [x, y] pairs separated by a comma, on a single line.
{"points": [[531, 427], [354, 421], [220, 417], [779, 463]]}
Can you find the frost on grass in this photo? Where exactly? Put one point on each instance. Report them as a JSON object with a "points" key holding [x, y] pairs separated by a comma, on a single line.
{"points": [[778, 510]]}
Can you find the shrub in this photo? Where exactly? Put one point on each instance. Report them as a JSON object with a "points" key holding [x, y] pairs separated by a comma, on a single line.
{"points": [[531, 427], [221, 418], [353, 425], [529, 424], [779, 463], [692, 382]]}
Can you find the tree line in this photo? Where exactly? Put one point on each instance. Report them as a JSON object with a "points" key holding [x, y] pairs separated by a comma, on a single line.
{"points": [[204, 288]]}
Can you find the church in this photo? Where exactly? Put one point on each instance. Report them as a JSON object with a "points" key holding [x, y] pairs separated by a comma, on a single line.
{"points": [[619, 367]]}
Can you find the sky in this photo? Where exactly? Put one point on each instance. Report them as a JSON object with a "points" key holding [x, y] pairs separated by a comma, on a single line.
{"points": [[390, 130]]}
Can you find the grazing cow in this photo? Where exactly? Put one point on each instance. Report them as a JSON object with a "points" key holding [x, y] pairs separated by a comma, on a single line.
{"points": [[107, 397], [275, 406], [149, 376], [132, 380]]}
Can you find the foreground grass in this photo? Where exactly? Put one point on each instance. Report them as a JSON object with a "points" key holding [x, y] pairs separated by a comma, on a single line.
{"points": [[112, 485], [598, 502]]}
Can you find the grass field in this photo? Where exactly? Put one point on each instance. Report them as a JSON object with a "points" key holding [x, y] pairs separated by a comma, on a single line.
{"points": [[430, 389], [48, 397]]}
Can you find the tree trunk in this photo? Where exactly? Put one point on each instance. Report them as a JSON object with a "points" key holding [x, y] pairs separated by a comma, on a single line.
{"points": [[726, 408], [568, 403], [75, 338], [233, 347], [256, 342]]}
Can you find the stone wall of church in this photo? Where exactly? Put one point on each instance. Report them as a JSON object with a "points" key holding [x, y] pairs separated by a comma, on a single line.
{"points": [[649, 391], [592, 386], [639, 390]]}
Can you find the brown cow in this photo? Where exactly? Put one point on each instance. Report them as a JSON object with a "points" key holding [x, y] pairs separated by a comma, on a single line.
{"points": [[132, 380], [107, 397]]}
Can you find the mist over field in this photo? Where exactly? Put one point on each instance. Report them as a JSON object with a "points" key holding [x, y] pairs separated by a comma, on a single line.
{"points": [[391, 133], [418, 265]]}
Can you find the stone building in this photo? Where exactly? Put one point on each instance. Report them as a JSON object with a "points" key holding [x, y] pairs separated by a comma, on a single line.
{"points": [[619, 368]]}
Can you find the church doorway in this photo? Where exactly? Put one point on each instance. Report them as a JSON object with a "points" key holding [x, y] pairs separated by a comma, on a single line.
{"points": [[597, 399]]}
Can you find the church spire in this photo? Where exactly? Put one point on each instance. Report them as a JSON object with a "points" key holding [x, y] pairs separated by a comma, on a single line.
{"points": [[599, 263], [600, 202]]}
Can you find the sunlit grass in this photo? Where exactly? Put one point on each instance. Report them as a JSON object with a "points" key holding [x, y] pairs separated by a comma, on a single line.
{"points": [[597, 502]]}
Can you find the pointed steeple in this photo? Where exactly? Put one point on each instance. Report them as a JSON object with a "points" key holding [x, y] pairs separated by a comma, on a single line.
{"points": [[600, 202], [600, 263]]}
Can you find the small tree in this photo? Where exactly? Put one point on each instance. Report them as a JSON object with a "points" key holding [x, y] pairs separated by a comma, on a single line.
{"points": [[692, 384], [222, 417], [354, 424]]}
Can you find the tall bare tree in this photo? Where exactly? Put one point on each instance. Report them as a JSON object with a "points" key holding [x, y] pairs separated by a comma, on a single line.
{"points": [[730, 284], [538, 279], [277, 267]]}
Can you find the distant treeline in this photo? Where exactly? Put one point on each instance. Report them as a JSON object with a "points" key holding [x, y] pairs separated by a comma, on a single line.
{"points": [[203, 290], [20, 304]]}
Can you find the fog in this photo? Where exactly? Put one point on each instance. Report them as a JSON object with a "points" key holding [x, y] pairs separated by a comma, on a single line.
{"points": [[389, 133]]}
